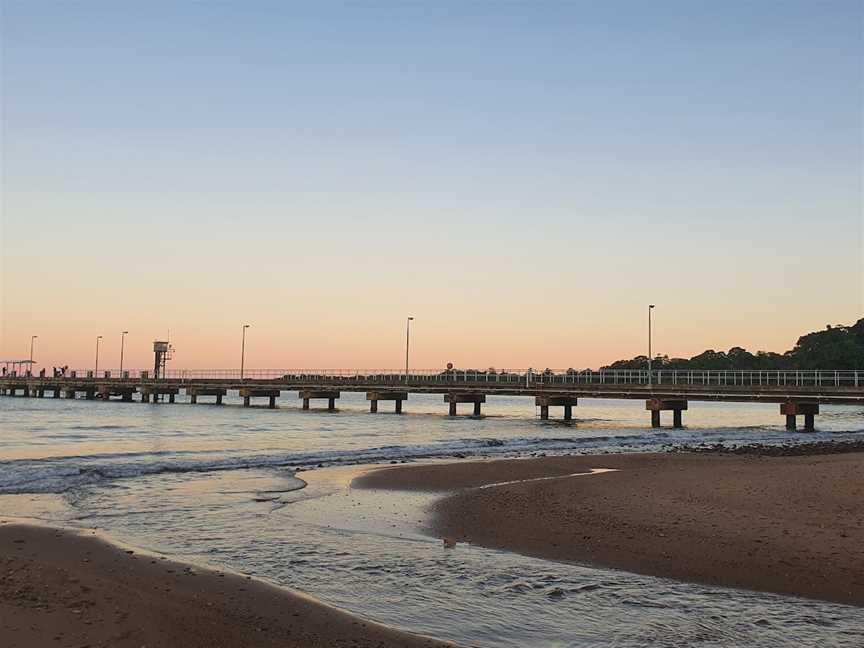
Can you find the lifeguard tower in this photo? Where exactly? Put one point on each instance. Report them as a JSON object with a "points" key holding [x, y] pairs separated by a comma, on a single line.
{"points": [[162, 351]]}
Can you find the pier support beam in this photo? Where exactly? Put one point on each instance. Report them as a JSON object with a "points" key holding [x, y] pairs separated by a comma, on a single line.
{"points": [[309, 394], [544, 402], [657, 405], [792, 410], [397, 397], [252, 392], [194, 392], [155, 391], [453, 398], [125, 393]]}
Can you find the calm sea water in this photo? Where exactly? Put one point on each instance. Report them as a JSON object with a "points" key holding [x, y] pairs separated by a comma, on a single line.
{"points": [[218, 485]]}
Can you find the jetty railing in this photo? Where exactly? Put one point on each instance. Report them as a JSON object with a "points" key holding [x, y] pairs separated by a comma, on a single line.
{"points": [[524, 377]]}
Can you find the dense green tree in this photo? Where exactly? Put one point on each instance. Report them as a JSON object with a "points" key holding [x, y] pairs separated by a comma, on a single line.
{"points": [[837, 347]]}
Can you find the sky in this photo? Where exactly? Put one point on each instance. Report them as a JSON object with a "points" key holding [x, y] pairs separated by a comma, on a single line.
{"points": [[522, 178]]}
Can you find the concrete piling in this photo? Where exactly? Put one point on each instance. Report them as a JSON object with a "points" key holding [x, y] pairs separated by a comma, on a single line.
{"points": [[465, 397], [396, 396], [791, 410], [545, 401], [657, 405], [324, 394], [194, 391], [248, 393]]}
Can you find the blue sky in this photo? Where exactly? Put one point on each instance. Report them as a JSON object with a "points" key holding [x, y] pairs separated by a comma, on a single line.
{"points": [[591, 156]]}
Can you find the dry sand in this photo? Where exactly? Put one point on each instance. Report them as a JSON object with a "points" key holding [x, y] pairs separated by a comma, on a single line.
{"points": [[59, 588], [791, 525]]}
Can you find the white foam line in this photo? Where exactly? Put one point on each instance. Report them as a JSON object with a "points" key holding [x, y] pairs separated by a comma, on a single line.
{"points": [[594, 471]]}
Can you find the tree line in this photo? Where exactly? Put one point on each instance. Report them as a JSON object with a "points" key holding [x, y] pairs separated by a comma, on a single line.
{"points": [[836, 347]]}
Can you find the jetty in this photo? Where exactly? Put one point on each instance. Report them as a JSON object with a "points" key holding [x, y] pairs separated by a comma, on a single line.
{"points": [[798, 393]]}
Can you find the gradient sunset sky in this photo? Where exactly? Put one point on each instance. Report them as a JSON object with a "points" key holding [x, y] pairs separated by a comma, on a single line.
{"points": [[523, 179]]}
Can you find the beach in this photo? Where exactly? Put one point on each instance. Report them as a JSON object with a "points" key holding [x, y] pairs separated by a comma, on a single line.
{"points": [[790, 525], [62, 588]]}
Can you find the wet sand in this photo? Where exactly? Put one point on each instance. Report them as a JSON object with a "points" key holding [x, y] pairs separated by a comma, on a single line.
{"points": [[60, 588], [789, 524]]}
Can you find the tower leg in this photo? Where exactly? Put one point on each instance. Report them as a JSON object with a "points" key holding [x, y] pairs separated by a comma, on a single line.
{"points": [[477, 408], [677, 419], [331, 404], [373, 406], [452, 408], [398, 406], [544, 412], [568, 412]]}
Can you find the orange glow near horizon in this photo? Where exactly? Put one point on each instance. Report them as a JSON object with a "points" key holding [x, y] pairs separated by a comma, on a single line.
{"points": [[320, 339]]}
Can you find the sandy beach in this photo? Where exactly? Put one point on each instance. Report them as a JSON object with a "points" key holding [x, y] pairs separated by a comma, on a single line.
{"points": [[786, 524], [60, 588]]}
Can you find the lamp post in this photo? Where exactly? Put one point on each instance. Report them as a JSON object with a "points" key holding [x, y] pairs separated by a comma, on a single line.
{"points": [[32, 338], [650, 308], [96, 370], [122, 345], [407, 344], [243, 351]]}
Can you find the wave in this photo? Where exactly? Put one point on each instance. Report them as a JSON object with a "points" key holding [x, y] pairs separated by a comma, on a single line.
{"points": [[64, 474]]}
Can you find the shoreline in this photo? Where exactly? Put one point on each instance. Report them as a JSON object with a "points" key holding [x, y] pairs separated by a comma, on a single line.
{"points": [[790, 525], [71, 588]]}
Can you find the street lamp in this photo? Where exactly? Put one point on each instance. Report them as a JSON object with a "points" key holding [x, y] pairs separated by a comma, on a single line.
{"points": [[32, 337], [122, 345], [96, 371], [243, 351], [407, 343], [650, 308]]}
